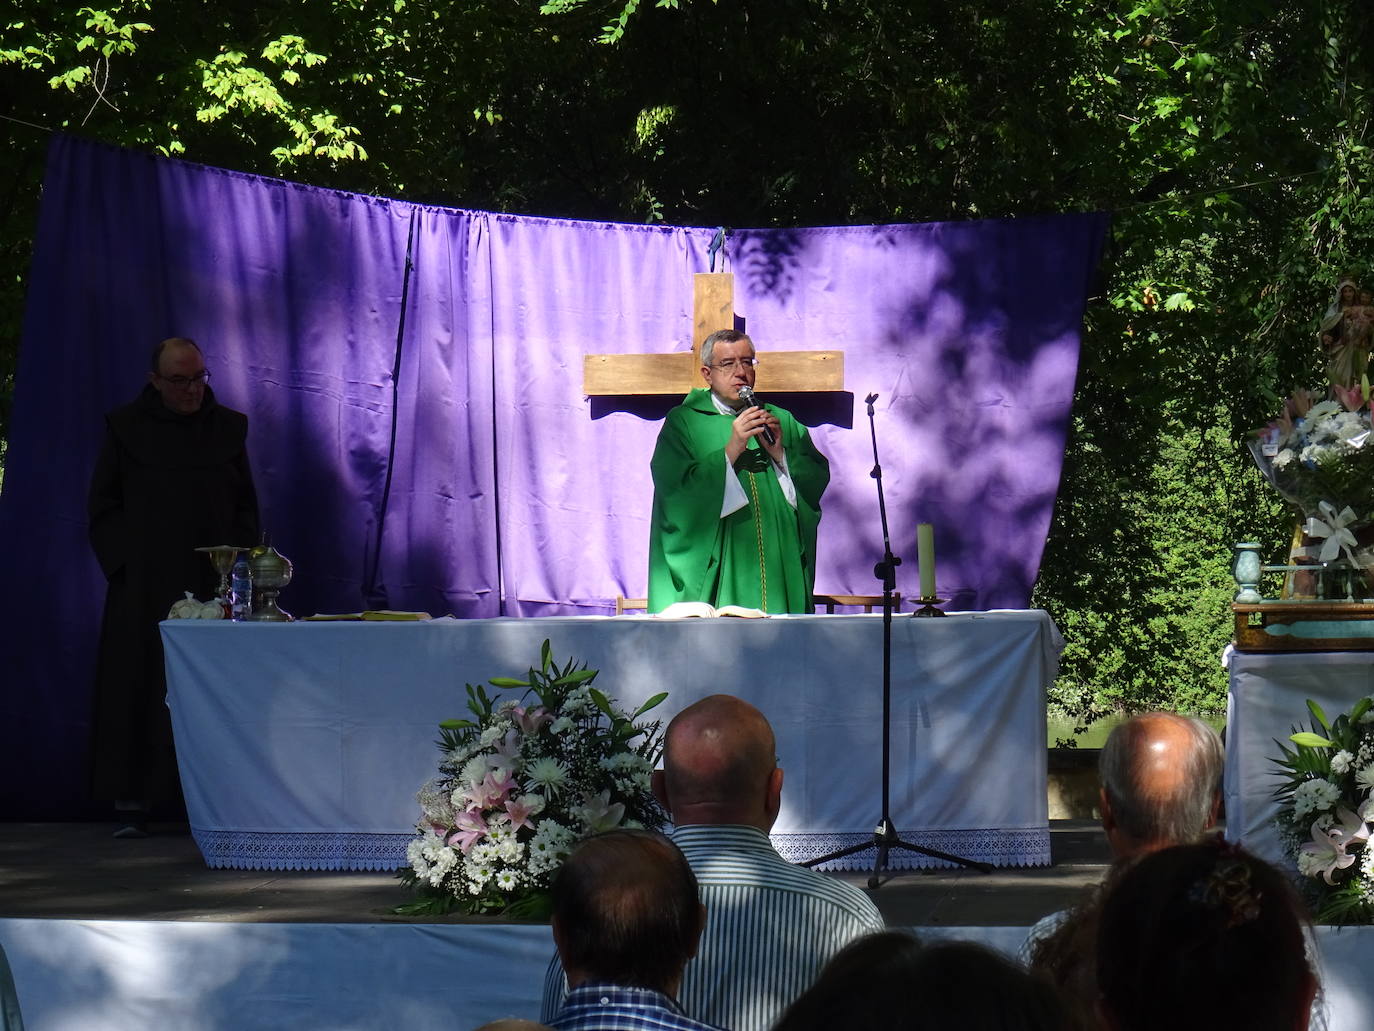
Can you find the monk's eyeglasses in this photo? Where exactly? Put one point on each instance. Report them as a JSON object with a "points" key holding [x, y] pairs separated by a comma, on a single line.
{"points": [[182, 382], [731, 364]]}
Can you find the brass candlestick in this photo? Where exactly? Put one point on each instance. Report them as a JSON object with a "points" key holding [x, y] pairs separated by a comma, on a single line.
{"points": [[928, 609]]}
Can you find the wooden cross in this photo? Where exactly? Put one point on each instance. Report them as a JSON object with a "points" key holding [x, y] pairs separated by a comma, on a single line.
{"points": [[713, 308]]}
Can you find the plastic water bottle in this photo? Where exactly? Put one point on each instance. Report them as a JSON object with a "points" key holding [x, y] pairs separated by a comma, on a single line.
{"points": [[241, 581]]}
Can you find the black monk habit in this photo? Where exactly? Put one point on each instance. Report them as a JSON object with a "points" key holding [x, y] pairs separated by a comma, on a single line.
{"points": [[164, 485]]}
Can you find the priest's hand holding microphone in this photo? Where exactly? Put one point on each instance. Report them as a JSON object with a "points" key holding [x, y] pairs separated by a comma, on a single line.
{"points": [[754, 420]]}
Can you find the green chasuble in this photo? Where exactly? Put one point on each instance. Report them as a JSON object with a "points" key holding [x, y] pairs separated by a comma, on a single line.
{"points": [[762, 555]]}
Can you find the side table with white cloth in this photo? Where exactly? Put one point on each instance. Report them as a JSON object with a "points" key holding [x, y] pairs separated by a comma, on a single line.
{"points": [[302, 745], [1267, 699]]}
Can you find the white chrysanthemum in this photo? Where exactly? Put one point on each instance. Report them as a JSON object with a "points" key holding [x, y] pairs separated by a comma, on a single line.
{"points": [[478, 874], [1368, 716], [578, 703], [506, 880], [492, 734], [482, 854], [415, 856], [511, 851], [1340, 762], [547, 774], [507, 704], [1308, 864], [1365, 778], [561, 725], [474, 770], [444, 862], [551, 842], [459, 754], [432, 849], [1315, 795], [1283, 458]]}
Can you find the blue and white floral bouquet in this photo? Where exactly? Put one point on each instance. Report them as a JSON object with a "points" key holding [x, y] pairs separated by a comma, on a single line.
{"points": [[521, 783], [1319, 454]]}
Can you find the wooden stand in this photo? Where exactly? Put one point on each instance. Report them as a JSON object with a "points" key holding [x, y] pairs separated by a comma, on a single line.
{"points": [[1304, 626]]}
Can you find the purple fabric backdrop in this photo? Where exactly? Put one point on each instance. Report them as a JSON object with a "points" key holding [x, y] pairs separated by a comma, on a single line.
{"points": [[413, 378]]}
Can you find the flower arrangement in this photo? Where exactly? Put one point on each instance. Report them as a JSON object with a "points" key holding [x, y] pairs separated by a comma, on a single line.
{"points": [[521, 783], [1326, 811], [1319, 454]]}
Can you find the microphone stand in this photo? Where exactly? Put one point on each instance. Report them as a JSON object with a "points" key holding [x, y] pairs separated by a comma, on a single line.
{"points": [[885, 836]]}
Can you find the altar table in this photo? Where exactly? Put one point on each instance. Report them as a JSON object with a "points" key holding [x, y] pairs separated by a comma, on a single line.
{"points": [[1267, 698], [301, 745]]}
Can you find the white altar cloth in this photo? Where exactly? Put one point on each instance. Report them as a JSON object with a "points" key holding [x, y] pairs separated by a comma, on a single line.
{"points": [[301, 745], [1267, 698]]}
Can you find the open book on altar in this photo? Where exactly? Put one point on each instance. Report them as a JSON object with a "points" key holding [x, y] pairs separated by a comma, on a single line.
{"points": [[679, 609]]}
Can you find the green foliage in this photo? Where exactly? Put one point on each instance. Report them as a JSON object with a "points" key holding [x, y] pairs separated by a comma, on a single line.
{"points": [[1228, 137]]}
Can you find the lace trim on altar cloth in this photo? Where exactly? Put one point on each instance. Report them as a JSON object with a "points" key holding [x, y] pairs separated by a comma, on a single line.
{"points": [[984, 845], [252, 850]]}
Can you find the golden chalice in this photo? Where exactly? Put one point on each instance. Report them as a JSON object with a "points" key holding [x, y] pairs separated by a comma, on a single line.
{"points": [[222, 557]]}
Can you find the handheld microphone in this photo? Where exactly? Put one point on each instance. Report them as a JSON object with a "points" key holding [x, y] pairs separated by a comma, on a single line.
{"points": [[746, 394]]}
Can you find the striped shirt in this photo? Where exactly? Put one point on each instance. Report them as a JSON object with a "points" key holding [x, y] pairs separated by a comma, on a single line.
{"points": [[770, 928], [596, 1006]]}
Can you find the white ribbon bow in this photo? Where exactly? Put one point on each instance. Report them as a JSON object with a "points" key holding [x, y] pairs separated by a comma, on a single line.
{"points": [[1334, 527]]}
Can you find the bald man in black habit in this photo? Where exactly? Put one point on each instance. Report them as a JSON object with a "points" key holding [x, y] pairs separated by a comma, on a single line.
{"points": [[172, 476]]}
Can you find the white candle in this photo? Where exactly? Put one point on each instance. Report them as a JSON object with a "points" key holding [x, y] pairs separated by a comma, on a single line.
{"points": [[925, 558]]}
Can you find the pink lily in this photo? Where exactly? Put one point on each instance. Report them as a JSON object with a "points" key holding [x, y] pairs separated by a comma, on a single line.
{"points": [[1352, 398], [519, 813], [497, 787], [530, 721], [469, 829], [505, 757]]}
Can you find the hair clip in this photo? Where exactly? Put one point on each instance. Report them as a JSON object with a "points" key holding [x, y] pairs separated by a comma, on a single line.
{"points": [[1227, 889]]}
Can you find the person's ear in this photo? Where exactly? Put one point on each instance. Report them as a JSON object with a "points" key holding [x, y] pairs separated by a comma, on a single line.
{"points": [[1105, 807], [773, 799], [658, 784], [1214, 810]]}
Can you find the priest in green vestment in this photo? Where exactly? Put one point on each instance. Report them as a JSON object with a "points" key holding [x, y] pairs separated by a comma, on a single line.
{"points": [[734, 517]]}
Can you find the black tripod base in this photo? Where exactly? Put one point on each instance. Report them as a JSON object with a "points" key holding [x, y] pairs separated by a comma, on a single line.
{"points": [[886, 838]]}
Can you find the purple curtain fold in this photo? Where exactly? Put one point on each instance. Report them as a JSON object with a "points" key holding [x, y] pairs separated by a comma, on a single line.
{"points": [[438, 541], [575, 490], [413, 379]]}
